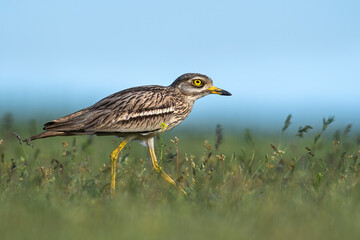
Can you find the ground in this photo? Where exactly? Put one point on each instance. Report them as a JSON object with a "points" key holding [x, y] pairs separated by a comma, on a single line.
{"points": [[241, 185]]}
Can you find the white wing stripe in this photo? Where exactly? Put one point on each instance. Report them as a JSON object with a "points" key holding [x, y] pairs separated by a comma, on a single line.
{"points": [[153, 112]]}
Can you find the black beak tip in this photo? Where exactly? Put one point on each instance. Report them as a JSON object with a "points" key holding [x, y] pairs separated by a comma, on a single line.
{"points": [[225, 93]]}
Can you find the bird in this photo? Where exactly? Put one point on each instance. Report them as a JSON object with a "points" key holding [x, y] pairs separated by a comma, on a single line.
{"points": [[138, 113]]}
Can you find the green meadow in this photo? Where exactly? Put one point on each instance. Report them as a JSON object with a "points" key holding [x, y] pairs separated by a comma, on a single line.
{"points": [[243, 184]]}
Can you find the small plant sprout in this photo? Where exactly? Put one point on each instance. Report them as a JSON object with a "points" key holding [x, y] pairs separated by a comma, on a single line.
{"points": [[347, 130], [163, 128], [309, 151], [336, 144], [175, 141], [219, 136], [277, 151], [249, 138], [65, 145]]}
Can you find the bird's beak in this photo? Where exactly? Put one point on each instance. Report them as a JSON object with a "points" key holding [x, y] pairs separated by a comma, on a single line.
{"points": [[219, 91]]}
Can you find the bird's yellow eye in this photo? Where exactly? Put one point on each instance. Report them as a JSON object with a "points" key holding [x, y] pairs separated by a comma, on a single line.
{"points": [[198, 83]]}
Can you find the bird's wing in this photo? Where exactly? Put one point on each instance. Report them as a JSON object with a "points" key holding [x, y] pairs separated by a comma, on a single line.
{"points": [[140, 109]]}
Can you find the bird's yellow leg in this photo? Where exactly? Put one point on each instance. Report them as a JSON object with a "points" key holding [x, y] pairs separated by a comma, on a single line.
{"points": [[113, 157], [158, 169]]}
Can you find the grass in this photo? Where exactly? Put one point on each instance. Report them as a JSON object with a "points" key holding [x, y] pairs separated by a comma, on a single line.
{"points": [[298, 185]]}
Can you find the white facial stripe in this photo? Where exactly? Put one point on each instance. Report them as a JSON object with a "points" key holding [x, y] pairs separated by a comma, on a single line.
{"points": [[153, 112]]}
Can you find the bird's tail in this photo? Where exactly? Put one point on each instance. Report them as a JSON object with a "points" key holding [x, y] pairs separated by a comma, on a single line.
{"points": [[45, 135], [41, 135]]}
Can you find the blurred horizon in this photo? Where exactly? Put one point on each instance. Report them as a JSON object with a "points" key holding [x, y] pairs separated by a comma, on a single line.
{"points": [[276, 58]]}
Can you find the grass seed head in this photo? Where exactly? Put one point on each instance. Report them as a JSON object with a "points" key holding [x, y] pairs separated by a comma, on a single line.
{"points": [[286, 123], [303, 130], [221, 157], [327, 122]]}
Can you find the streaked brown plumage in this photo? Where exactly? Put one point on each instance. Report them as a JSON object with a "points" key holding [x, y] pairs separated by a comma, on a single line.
{"points": [[136, 113]]}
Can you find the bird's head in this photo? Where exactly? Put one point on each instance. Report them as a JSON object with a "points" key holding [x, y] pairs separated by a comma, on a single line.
{"points": [[196, 85]]}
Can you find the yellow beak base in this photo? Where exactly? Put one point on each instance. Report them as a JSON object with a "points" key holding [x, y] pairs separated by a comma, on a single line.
{"points": [[215, 90]]}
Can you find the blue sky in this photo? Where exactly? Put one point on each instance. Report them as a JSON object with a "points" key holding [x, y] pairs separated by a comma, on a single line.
{"points": [[276, 57]]}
